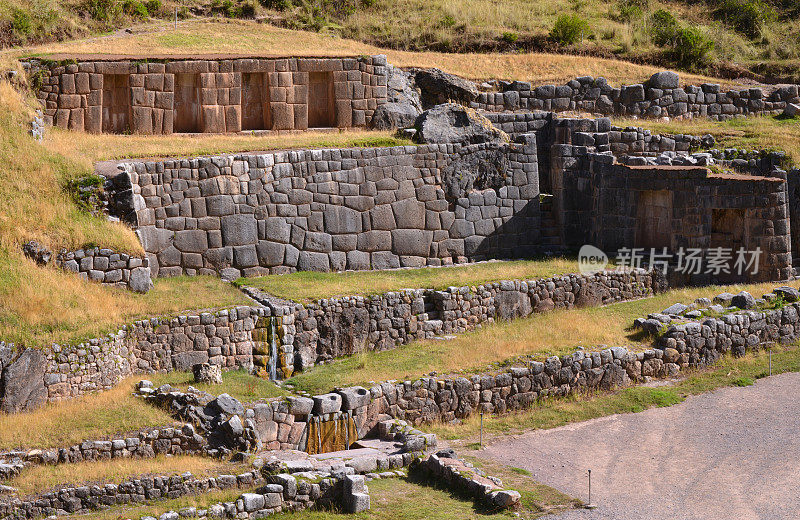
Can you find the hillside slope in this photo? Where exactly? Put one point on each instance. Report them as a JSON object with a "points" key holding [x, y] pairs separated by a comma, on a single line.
{"points": [[730, 36]]}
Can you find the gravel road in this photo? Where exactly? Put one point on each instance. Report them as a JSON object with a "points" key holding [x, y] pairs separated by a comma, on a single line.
{"points": [[730, 454]]}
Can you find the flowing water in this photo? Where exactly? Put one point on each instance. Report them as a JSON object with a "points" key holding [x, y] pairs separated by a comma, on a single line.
{"points": [[333, 435]]}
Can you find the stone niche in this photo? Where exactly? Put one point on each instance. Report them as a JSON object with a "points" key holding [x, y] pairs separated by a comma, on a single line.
{"points": [[654, 220], [116, 104], [321, 110], [255, 102], [187, 104]]}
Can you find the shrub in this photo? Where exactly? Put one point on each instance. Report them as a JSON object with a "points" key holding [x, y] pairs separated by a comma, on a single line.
{"points": [[153, 7], [246, 10], [21, 23], [135, 8], [510, 37], [744, 16], [664, 27], [569, 29], [103, 10], [691, 48], [628, 10]]}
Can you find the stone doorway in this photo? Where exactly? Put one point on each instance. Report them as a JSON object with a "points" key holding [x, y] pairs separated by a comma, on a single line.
{"points": [[255, 102], [654, 220], [321, 112], [187, 104], [116, 103]]}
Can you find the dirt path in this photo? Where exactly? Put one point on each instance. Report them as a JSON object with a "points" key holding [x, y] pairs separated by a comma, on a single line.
{"points": [[730, 454]]}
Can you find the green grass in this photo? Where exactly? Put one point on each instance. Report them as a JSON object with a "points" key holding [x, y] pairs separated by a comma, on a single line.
{"points": [[555, 412], [308, 286], [557, 332], [236, 383]]}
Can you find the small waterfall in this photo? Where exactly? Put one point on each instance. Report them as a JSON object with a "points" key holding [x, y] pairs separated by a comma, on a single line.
{"points": [[273, 349], [336, 434]]}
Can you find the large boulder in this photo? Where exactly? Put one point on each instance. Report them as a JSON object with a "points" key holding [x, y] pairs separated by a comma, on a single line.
{"points": [[23, 382], [664, 80], [452, 123], [440, 87], [792, 110], [394, 115]]}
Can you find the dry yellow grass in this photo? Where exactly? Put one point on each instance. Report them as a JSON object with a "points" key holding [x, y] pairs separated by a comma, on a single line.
{"points": [[86, 149], [541, 335], [39, 306], [241, 36], [92, 416], [39, 479]]}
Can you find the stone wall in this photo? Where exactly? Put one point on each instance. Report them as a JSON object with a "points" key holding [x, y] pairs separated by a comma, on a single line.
{"points": [[75, 500], [303, 336], [336, 327], [164, 95], [659, 97], [373, 208], [144, 444], [108, 267], [31, 377]]}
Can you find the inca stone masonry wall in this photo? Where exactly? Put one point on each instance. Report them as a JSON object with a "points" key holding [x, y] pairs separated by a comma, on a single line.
{"points": [[162, 96], [243, 336], [321, 210], [659, 97], [108, 267], [686, 343], [336, 327]]}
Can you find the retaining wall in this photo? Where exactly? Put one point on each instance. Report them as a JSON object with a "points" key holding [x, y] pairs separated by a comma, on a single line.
{"points": [[108, 267], [595, 95], [302, 336], [336, 327], [164, 95], [323, 210]]}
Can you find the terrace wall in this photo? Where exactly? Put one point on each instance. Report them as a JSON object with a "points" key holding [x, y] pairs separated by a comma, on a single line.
{"points": [[322, 210], [595, 95], [303, 336], [162, 96]]}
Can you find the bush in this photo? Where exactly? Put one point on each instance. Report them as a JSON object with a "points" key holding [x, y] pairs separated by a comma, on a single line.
{"points": [[664, 27], [744, 16], [21, 23], [691, 48], [277, 5], [628, 10], [153, 7], [135, 8], [103, 10], [510, 37], [569, 29], [246, 10]]}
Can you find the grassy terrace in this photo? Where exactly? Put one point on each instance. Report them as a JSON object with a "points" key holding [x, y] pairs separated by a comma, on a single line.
{"points": [[244, 36], [390, 499], [556, 332], [306, 286], [86, 149], [114, 411], [39, 479], [761, 133]]}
